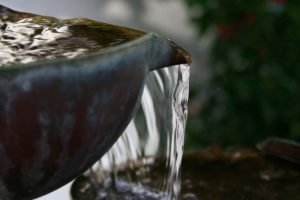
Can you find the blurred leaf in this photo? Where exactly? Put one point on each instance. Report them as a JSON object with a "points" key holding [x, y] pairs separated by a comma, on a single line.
{"points": [[255, 64]]}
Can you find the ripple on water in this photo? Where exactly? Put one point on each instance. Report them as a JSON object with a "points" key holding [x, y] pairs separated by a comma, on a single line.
{"points": [[26, 38]]}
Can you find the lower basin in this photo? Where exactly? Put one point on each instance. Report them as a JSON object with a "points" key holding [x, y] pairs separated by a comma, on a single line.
{"points": [[215, 174]]}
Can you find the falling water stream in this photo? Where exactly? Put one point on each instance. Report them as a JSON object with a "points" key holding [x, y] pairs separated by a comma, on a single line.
{"points": [[153, 139]]}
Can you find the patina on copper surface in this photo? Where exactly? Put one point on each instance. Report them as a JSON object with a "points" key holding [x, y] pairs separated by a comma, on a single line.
{"points": [[60, 111]]}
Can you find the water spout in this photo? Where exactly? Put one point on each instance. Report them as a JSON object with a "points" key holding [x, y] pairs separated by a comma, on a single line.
{"points": [[165, 53]]}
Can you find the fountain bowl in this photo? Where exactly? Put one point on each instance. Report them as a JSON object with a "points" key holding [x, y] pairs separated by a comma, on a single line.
{"points": [[58, 117]]}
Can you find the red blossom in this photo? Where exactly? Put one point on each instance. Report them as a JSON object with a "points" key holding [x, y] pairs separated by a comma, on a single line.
{"points": [[225, 31], [279, 2]]}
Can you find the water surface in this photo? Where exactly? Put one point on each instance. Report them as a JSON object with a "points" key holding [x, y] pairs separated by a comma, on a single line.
{"points": [[26, 38]]}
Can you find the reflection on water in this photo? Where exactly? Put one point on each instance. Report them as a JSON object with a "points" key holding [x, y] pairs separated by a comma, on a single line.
{"points": [[156, 132], [26, 38]]}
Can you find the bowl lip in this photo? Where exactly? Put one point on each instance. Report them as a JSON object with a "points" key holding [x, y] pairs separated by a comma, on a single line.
{"points": [[104, 54], [154, 51]]}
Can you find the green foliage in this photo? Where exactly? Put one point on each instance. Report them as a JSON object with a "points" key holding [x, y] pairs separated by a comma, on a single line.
{"points": [[255, 61]]}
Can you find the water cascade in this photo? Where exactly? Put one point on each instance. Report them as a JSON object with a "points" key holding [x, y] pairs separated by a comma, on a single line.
{"points": [[153, 141]]}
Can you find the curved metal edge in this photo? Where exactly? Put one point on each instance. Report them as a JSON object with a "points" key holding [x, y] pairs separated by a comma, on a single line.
{"points": [[151, 50]]}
